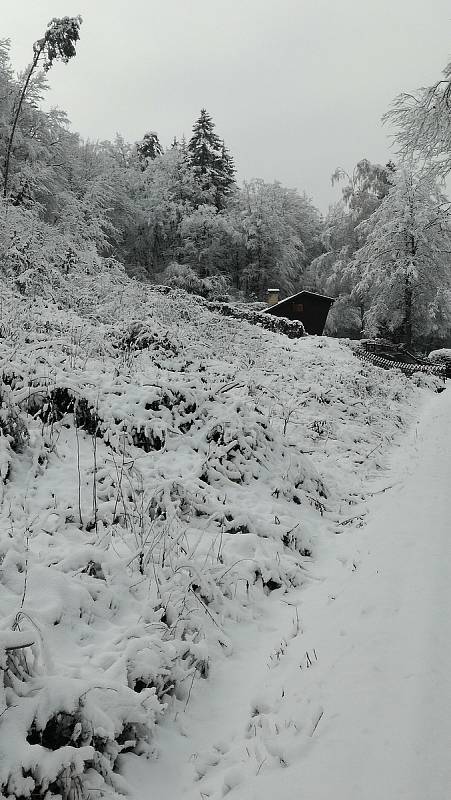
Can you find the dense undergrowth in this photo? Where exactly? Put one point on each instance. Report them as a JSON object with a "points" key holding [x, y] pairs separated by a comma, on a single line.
{"points": [[162, 468]]}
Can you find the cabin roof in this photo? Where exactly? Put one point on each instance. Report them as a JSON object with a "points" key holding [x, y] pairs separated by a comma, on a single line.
{"points": [[299, 294]]}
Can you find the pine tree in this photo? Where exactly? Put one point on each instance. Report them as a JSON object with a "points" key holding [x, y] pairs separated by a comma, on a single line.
{"points": [[226, 172], [204, 145], [212, 162]]}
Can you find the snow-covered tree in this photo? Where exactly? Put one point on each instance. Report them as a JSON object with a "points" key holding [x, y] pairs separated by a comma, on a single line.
{"points": [[36, 159], [343, 234], [208, 241], [422, 121], [148, 148], [225, 176], [57, 44], [211, 160], [403, 268], [365, 187], [204, 145], [278, 227], [170, 192]]}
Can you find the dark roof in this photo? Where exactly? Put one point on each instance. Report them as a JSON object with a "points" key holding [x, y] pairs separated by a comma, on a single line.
{"points": [[299, 295]]}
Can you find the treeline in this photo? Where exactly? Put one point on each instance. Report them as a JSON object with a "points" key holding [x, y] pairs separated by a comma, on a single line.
{"points": [[174, 214], [178, 216]]}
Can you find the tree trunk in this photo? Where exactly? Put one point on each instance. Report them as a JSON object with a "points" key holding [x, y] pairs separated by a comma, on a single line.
{"points": [[362, 318], [16, 119], [408, 291], [408, 295]]}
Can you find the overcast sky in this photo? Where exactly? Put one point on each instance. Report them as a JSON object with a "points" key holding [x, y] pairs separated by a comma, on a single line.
{"points": [[295, 87]]}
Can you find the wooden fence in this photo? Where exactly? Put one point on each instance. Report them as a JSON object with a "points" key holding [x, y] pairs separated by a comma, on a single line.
{"points": [[407, 369]]}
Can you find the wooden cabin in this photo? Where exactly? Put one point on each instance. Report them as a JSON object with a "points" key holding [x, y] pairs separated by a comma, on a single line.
{"points": [[308, 307]]}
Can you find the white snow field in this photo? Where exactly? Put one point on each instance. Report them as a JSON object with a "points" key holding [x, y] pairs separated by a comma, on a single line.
{"points": [[213, 582], [353, 702]]}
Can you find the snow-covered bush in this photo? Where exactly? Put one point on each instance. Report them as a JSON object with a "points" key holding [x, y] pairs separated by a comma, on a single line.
{"points": [[442, 357], [292, 328], [182, 276], [41, 260], [12, 424], [61, 735]]}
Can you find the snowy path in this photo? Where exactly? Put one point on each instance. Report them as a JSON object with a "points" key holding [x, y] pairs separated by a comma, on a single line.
{"points": [[371, 718], [388, 695]]}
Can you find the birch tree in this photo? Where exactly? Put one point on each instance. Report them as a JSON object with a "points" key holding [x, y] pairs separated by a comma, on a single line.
{"points": [[57, 44]]}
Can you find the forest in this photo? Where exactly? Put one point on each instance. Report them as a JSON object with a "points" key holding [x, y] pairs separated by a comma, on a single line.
{"points": [[177, 215]]}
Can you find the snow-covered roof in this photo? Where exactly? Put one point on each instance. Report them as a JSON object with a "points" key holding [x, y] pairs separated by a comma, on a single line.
{"points": [[298, 294]]}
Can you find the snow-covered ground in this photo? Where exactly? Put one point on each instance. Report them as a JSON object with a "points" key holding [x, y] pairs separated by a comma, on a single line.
{"points": [[341, 689], [202, 547]]}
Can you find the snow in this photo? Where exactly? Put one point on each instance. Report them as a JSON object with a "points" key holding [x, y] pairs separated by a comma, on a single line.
{"points": [[442, 356], [185, 521], [350, 701]]}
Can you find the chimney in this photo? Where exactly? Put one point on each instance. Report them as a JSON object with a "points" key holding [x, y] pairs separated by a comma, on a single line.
{"points": [[272, 297]]}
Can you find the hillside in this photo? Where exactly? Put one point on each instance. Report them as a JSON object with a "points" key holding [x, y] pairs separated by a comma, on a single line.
{"points": [[169, 475]]}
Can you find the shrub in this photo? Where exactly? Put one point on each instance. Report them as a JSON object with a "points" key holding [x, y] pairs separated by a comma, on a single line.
{"points": [[442, 356], [182, 276]]}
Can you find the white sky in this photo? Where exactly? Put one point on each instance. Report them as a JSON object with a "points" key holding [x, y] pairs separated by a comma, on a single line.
{"points": [[295, 87]]}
